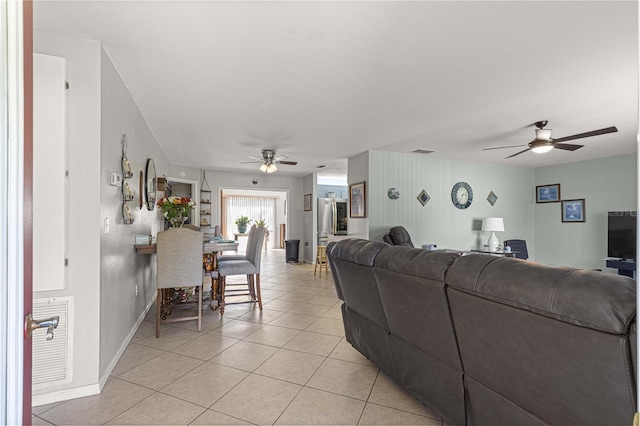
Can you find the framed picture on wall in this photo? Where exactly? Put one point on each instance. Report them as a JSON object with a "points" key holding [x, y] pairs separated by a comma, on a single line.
{"points": [[357, 200], [548, 193], [573, 210], [307, 202]]}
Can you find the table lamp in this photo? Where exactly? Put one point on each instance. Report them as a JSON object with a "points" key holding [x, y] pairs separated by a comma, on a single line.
{"points": [[493, 225]]}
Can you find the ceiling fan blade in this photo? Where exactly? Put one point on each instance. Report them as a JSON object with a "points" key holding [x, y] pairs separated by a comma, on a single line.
{"points": [[251, 162], [567, 146], [604, 131], [517, 153], [254, 158], [502, 147], [287, 163], [280, 157]]}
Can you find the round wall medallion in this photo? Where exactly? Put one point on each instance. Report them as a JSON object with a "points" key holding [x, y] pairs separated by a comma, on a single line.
{"points": [[461, 195], [393, 193]]}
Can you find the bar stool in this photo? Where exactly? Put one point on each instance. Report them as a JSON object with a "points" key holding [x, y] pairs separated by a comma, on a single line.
{"points": [[321, 259]]}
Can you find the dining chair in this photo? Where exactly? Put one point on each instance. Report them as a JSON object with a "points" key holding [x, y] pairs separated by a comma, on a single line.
{"points": [[250, 241], [179, 265], [249, 267]]}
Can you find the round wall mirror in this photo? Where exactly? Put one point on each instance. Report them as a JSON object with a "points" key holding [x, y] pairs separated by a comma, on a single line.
{"points": [[150, 184]]}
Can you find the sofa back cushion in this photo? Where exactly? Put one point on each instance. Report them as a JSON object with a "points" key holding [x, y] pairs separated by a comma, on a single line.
{"points": [[411, 284], [553, 342], [352, 262]]}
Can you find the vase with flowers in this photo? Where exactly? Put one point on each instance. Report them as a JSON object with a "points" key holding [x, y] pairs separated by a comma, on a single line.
{"points": [[242, 222], [176, 209]]}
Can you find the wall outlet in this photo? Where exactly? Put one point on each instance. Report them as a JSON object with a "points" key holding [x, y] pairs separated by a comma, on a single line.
{"points": [[136, 289], [115, 179], [107, 225]]}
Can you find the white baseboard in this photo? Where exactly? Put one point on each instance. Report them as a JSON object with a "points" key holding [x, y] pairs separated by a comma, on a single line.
{"points": [[65, 394]]}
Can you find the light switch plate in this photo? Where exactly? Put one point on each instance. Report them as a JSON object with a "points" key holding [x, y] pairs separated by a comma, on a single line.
{"points": [[115, 179]]}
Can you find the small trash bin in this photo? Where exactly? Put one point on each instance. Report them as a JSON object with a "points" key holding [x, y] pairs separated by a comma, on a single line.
{"points": [[292, 248]]}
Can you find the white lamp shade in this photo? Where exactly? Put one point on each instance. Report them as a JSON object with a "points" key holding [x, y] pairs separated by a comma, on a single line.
{"points": [[271, 168], [493, 224], [263, 168]]}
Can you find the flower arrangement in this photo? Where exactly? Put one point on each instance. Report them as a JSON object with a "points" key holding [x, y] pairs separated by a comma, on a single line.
{"points": [[242, 222], [176, 209]]}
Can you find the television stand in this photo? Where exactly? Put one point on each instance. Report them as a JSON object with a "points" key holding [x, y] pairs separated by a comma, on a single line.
{"points": [[624, 266]]}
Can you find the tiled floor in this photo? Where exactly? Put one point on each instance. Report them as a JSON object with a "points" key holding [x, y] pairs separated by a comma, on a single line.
{"points": [[286, 365]]}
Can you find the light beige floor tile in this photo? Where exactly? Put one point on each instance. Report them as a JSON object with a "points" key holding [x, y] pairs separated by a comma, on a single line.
{"points": [[280, 305], [309, 309], [37, 410], [245, 356], [205, 347], [315, 407], [388, 393], [258, 399], [297, 321], [335, 312], [329, 292], [117, 396], [214, 418], [346, 352], [290, 366], [235, 311], [35, 420], [378, 415], [133, 356], [263, 316], [273, 336], [159, 409], [323, 300], [303, 292], [205, 384], [313, 343], [170, 338], [237, 329], [148, 329], [160, 371], [344, 378], [327, 326], [210, 321]]}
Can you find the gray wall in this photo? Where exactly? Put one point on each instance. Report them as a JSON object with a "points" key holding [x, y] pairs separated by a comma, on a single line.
{"points": [[359, 171], [606, 184], [439, 222], [121, 269]]}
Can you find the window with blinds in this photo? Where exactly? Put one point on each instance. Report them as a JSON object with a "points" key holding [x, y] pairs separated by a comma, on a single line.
{"points": [[255, 207]]}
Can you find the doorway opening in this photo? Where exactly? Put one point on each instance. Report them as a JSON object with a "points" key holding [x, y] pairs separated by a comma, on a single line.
{"points": [[269, 206]]}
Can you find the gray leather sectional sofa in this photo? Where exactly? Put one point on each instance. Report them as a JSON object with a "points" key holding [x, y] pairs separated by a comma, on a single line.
{"points": [[486, 340]]}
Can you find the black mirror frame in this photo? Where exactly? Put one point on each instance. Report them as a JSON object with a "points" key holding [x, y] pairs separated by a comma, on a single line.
{"points": [[150, 184]]}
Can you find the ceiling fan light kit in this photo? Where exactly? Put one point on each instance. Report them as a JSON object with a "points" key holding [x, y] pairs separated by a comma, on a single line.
{"points": [[545, 143], [269, 160]]}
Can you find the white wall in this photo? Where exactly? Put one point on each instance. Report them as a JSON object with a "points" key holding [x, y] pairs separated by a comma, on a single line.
{"points": [[606, 184], [439, 222], [83, 272], [121, 269]]}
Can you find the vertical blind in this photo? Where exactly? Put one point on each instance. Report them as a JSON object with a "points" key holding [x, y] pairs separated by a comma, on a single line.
{"points": [[255, 208]]}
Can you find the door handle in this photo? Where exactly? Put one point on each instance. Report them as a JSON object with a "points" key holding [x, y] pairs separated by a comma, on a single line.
{"points": [[49, 323]]}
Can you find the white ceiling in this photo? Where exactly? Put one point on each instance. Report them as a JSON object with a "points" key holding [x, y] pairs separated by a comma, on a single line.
{"points": [[323, 81]]}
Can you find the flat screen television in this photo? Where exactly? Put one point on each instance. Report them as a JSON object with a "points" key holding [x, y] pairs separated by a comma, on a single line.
{"points": [[622, 234]]}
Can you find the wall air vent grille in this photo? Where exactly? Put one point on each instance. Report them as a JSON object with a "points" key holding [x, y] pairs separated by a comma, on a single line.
{"points": [[51, 358], [423, 151]]}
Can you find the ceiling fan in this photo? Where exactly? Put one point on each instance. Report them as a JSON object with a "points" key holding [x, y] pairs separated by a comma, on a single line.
{"points": [[545, 143], [269, 160]]}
